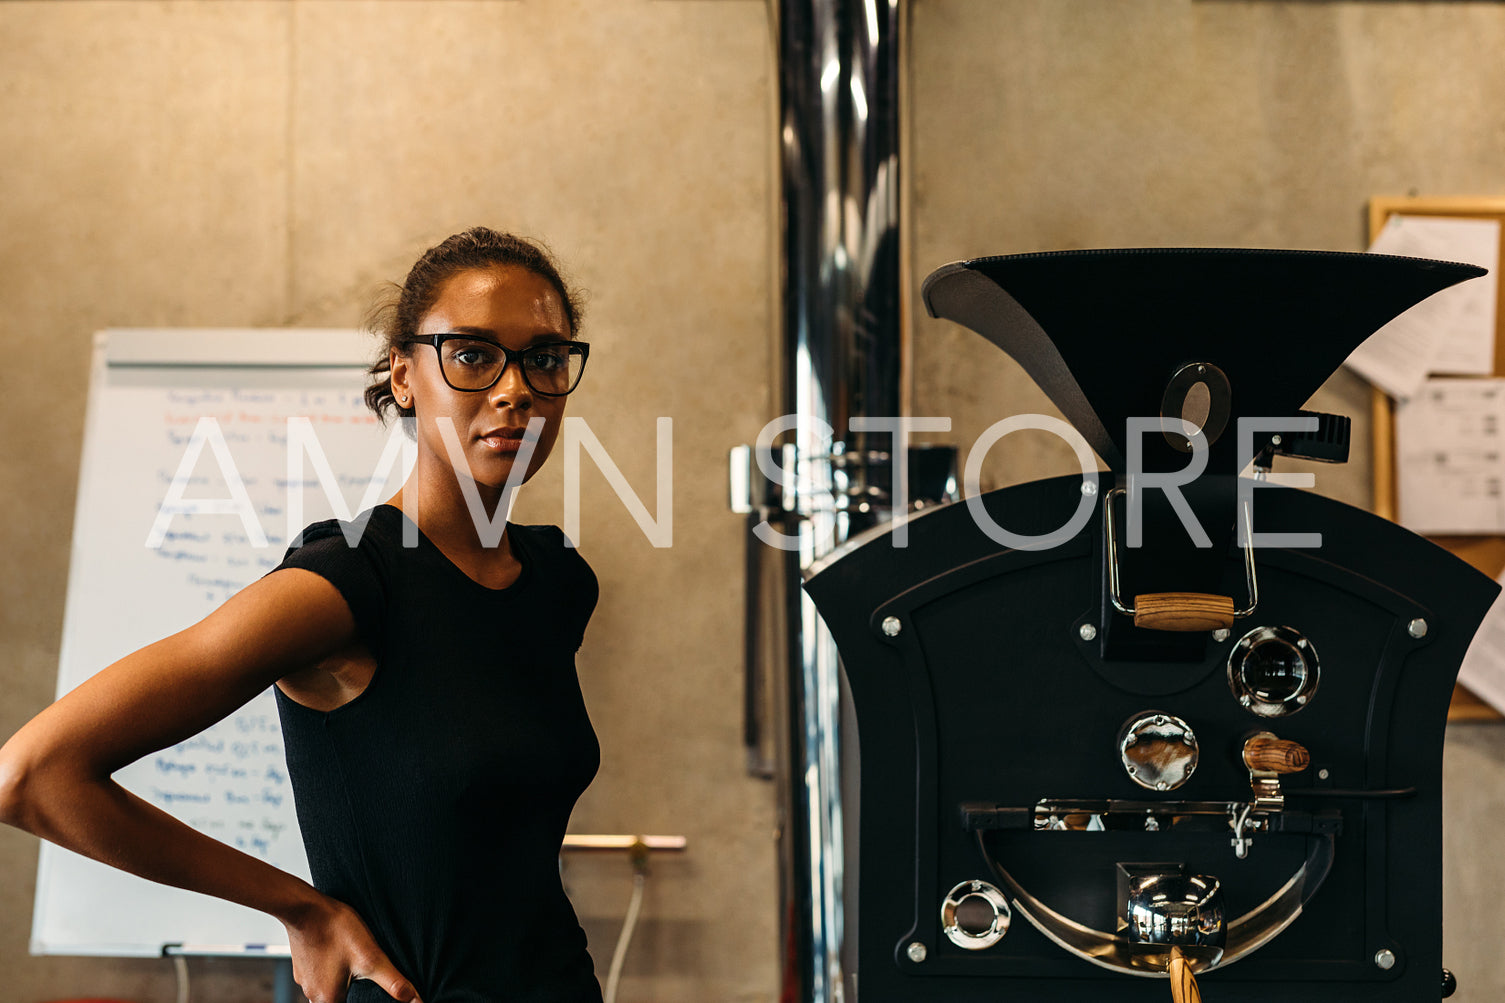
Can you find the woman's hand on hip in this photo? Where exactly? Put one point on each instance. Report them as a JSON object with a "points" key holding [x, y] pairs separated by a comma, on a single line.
{"points": [[332, 948]]}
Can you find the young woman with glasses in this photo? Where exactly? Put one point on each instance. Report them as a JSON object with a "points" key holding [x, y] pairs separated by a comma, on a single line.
{"points": [[434, 727]]}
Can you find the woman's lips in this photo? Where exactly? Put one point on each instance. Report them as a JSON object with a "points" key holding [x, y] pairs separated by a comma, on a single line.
{"points": [[504, 440]]}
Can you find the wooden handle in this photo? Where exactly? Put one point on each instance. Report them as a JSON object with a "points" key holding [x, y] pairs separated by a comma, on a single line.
{"points": [[1269, 754], [1183, 981], [1183, 611]]}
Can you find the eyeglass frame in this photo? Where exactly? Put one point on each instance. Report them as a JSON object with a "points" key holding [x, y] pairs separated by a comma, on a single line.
{"points": [[509, 356]]}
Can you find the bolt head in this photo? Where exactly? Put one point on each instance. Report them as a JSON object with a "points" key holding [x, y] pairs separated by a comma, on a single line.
{"points": [[1274, 440], [1089, 488], [892, 626], [1417, 628], [1323, 773], [1087, 631], [1384, 959], [916, 951], [1221, 634]]}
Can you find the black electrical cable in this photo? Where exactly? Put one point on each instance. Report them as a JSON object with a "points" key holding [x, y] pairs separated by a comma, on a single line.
{"points": [[1374, 794]]}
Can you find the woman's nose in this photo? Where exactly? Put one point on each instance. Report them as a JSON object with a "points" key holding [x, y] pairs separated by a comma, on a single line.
{"points": [[512, 390]]}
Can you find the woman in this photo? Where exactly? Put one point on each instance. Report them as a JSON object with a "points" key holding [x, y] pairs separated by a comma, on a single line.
{"points": [[434, 727]]}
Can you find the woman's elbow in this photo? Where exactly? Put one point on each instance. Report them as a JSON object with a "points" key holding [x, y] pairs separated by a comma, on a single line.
{"points": [[15, 807]]}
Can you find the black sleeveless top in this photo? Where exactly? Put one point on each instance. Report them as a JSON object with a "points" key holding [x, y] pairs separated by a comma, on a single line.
{"points": [[435, 802]]}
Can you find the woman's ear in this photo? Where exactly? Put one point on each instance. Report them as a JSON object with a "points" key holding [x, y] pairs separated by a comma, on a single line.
{"points": [[398, 364]]}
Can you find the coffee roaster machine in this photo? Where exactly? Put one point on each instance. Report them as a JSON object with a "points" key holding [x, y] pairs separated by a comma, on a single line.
{"points": [[1122, 729]]}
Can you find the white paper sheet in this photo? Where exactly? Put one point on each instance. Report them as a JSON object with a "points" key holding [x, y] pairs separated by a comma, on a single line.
{"points": [[1450, 452], [1483, 669], [1451, 332]]}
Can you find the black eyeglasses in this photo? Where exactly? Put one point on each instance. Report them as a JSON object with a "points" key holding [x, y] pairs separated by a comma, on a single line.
{"points": [[473, 364]]}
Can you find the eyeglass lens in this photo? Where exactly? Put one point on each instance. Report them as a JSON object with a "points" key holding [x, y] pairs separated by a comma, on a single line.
{"points": [[476, 364]]}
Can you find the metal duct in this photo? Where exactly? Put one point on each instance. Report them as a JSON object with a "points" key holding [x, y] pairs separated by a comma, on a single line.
{"points": [[841, 359]]}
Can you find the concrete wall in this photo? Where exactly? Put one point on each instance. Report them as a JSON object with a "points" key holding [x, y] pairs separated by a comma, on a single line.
{"points": [[270, 163], [253, 163]]}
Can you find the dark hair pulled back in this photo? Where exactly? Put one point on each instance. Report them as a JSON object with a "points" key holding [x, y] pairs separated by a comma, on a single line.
{"points": [[395, 319]]}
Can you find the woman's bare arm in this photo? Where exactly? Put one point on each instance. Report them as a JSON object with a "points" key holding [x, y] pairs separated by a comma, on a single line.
{"points": [[55, 772]]}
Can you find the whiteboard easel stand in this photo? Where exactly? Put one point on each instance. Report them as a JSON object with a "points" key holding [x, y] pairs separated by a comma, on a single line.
{"points": [[285, 990]]}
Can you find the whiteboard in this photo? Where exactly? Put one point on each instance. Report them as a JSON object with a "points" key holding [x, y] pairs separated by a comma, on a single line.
{"points": [[150, 393]]}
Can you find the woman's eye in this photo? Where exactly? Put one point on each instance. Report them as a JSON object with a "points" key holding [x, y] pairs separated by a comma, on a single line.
{"points": [[548, 361], [473, 355]]}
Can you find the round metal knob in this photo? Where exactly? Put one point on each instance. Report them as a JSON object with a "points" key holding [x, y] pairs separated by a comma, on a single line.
{"points": [[1158, 751]]}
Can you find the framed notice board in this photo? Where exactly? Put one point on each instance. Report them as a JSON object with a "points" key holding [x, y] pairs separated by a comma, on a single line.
{"points": [[1487, 553]]}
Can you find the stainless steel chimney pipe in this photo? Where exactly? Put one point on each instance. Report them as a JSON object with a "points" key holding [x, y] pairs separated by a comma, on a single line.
{"points": [[842, 358]]}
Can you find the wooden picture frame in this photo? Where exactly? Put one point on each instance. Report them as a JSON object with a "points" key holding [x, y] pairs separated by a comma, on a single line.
{"points": [[1487, 553]]}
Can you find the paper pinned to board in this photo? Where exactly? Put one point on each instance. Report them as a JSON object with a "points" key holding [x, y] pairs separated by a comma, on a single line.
{"points": [[1450, 332], [1483, 669], [1450, 452]]}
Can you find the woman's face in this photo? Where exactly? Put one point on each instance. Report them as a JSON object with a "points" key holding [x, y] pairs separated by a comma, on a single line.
{"points": [[511, 306]]}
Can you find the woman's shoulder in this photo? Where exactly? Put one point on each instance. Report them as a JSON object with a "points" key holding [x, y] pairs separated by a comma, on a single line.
{"points": [[372, 529], [548, 545], [543, 535], [362, 546]]}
